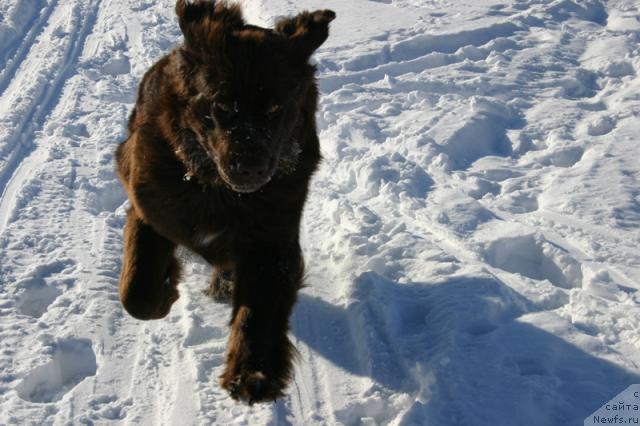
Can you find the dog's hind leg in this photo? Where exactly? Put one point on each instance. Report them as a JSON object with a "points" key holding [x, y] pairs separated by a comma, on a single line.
{"points": [[150, 271], [260, 355]]}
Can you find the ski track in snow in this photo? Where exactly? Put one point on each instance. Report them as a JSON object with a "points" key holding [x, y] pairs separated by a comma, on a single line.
{"points": [[471, 237]]}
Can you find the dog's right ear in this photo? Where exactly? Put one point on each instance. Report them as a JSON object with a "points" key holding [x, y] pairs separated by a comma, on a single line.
{"points": [[205, 22], [307, 31]]}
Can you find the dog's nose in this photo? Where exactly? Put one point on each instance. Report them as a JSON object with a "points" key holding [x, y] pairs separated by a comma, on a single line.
{"points": [[250, 169]]}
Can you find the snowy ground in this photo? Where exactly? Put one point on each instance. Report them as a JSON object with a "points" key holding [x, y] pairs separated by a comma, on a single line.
{"points": [[472, 237]]}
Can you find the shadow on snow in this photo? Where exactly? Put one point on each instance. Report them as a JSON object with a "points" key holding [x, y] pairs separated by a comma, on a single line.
{"points": [[466, 350]]}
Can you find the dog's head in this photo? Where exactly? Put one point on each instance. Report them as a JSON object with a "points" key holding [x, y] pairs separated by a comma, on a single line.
{"points": [[245, 87]]}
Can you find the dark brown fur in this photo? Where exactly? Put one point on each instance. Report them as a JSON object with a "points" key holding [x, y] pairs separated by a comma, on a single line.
{"points": [[222, 144]]}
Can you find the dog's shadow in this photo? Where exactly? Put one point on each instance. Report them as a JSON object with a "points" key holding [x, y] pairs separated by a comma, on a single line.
{"points": [[465, 348]]}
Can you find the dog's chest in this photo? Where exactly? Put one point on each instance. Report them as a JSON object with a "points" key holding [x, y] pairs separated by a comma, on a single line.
{"points": [[215, 221]]}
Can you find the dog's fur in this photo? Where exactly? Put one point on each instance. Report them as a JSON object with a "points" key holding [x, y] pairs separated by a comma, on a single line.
{"points": [[222, 144]]}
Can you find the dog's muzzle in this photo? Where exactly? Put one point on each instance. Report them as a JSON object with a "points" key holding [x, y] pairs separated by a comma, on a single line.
{"points": [[248, 172]]}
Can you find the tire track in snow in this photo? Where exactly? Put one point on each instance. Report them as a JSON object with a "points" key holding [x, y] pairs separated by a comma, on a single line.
{"points": [[20, 138], [309, 394], [21, 52]]}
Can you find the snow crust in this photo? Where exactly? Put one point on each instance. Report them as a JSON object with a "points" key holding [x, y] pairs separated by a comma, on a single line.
{"points": [[471, 237]]}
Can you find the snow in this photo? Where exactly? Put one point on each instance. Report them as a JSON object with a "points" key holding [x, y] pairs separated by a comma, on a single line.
{"points": [[471, 237]]}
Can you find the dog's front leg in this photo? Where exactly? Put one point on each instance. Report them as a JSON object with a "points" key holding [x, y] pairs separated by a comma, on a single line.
{"points": [[259, 354], [150, 271]]}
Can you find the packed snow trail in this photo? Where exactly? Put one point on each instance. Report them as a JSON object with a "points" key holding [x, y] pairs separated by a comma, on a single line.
{"points": [[471, 237]]}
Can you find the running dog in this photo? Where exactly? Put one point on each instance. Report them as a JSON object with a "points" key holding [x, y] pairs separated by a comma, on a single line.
{"points": [[221, 146]]}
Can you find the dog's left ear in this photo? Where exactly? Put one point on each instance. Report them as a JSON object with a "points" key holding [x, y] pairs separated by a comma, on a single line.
{"points": [[307, 31]]}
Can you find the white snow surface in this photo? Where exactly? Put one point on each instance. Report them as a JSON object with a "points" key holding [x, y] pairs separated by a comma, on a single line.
{"points": [[472, 237]]}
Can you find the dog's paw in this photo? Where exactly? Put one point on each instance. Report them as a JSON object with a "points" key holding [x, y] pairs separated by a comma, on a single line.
{"points": [[221, 288], [145, 303], [258, 375], [251, 387], [168, 295]]}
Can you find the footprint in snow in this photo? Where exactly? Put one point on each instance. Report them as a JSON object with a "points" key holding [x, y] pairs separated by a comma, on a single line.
{"points": [[42, 287], [72, 361], [534, 257], [601, 125]]}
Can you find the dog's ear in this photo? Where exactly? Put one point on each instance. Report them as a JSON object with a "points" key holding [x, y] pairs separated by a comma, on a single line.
{"points": [[307, 31], [205, 22]]}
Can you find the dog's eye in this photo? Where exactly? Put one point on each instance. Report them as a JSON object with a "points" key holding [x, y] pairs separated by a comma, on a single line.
{"points": [[222, 107], [273, 109]]}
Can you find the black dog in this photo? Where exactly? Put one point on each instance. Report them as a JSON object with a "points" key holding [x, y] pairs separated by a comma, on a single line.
{"points": [[222, 144]]}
